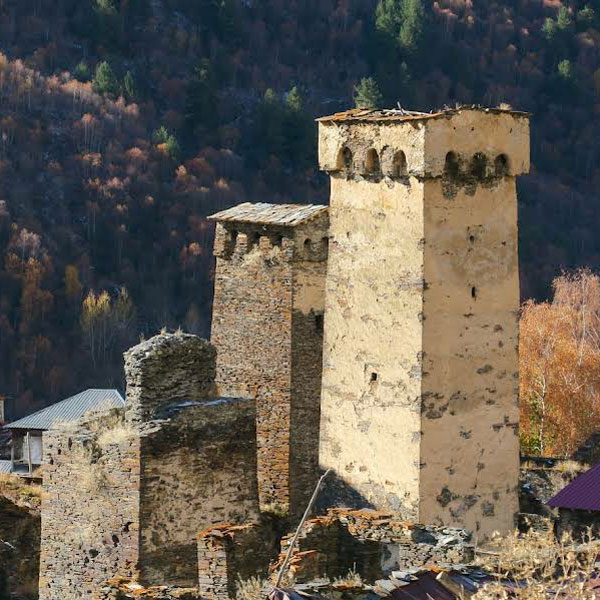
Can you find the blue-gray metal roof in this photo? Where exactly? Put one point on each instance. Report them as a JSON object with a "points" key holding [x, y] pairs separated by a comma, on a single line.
{"points": [[71, 409]]}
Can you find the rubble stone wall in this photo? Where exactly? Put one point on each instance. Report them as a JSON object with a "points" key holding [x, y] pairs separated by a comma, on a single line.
{"points": [[252, 314], [371, 543], [20, 535], [578, 524], [166, 370], [228, 554], [307, 365], [198, 469], [90, 511], [126, 491]]}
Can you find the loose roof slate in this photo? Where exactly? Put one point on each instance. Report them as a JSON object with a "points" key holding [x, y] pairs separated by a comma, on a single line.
{"points": [[583, 493], [262, 213], [399, 114], [71, 409]]}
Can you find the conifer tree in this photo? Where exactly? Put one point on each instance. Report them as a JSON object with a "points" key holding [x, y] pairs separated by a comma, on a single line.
{"points": [[367, 94], [200, 95], [129, 86], [105, 81], [401, 21]]}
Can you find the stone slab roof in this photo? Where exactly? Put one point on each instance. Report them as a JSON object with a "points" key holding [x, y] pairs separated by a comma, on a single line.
{"points": [[399, 114], [261, 213], [71, 409]]}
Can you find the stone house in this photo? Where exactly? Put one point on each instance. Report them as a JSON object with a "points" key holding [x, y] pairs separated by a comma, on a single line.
{"points": [[26, 434]]}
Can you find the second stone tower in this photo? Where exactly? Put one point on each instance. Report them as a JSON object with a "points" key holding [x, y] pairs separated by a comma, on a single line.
{"points": [[267, 328]]}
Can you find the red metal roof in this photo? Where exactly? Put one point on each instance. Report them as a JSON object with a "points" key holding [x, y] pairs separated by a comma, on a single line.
{"points": [[583, 493]]}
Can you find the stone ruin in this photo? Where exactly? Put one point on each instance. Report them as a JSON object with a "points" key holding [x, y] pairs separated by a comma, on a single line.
{"points": [[376, 338], [125, 491]]}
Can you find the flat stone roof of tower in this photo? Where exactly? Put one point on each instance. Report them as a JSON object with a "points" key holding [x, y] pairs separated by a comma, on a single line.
{"points": [[400, 114], [288, 215]]}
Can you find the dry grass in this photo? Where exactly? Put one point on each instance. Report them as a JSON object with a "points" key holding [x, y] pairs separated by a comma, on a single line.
{"points": [[19, 491], [110, 428], [117, 434], [275, 509], [539, 568], [569, 466], [251, 589], [352, 579], [94, 480]]}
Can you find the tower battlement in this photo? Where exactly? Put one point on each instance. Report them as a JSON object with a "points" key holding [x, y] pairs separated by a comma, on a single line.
{"points": [[396, 144], [293, 231]]}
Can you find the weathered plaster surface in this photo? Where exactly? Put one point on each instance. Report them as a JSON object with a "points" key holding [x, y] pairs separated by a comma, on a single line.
{"points": [[373, 336], [470, 445]]}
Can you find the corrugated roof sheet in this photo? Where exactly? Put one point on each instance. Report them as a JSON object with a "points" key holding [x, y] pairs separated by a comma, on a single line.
{"points": [[5, 466], [288, 215], [583, 493], [70, 409], [399, 114]]}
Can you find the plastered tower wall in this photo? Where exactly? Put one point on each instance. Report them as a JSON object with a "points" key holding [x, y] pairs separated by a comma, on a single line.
{"points": [[420, 379], [125, 497], [267, 328]]}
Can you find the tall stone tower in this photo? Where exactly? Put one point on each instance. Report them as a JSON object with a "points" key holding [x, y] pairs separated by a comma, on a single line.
{"points": [[419, 409], [268, 330]]}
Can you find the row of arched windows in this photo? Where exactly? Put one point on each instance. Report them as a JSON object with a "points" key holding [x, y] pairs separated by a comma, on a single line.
{"points": [[393, 164], [478, 167]]}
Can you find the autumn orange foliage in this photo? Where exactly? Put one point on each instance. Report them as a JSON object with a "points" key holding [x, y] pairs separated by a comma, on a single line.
{"points": [[560, 366]]}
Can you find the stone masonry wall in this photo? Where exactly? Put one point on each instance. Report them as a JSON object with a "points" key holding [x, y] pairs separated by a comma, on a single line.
{"points": [[126, 491], [90, 509], [371, 543], [228, 554], [252, 314], [198, 469], [307, 360], [167, 369], [20, 535], [267, 318]]}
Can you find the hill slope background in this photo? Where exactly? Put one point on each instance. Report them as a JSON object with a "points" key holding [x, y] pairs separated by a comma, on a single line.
{"points": [[123, 123]]}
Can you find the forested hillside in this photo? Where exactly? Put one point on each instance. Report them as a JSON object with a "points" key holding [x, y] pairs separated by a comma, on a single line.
{"points": [[123, 123]]}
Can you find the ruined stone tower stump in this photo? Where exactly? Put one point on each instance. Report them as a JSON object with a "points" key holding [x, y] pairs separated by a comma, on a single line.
{"points": [[126, 491], [165, 369], [420, 377], [267, 328]]}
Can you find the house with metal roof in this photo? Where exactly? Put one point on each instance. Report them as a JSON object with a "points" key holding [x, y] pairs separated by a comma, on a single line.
{"points": [[578, 504], [26, 433]]}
